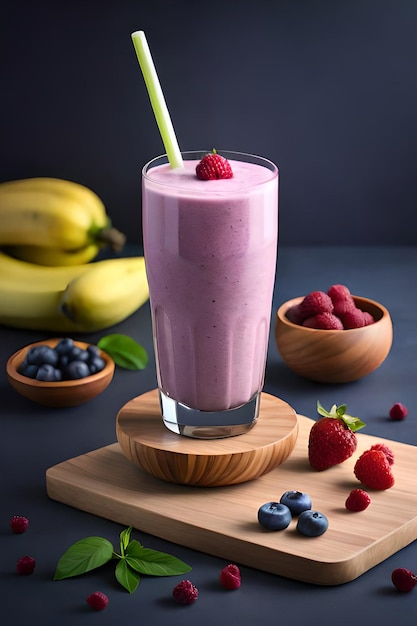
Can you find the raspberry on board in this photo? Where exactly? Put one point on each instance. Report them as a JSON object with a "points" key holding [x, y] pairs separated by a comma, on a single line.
{"points": [[19, 524], [373, 470], [185, 592], [386, 450], [230, 577], [97, 600], [357, 500]]}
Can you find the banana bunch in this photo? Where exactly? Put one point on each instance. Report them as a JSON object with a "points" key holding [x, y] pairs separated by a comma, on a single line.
{"points": [[54, 222], [75, 298]]}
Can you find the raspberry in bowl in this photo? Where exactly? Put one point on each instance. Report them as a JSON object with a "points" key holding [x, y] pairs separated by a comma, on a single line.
{"points": [[333, 336]]}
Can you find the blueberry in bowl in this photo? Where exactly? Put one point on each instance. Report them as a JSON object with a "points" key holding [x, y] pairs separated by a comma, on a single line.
{"points": [[60, 372]]}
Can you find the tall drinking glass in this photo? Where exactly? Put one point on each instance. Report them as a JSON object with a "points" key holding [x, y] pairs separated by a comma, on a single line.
{"points": [[210, 250]]}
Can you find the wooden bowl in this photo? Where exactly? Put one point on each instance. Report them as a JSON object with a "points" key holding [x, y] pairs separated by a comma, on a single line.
{"points": [[60, 393], [334, 356]]}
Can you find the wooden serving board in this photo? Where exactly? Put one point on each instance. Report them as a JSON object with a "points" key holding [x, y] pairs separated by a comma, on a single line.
{"points": [[222, 521]]}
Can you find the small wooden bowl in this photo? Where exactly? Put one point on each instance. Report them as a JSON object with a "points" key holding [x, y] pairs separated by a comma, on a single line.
{"points": [[334, 356], [61, 393]]}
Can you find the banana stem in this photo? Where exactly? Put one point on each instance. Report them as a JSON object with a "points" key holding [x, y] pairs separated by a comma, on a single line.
{"points": [[111, 237]]}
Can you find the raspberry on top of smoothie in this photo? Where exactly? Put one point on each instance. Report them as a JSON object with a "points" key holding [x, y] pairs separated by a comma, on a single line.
{"points": [[213, 166]]}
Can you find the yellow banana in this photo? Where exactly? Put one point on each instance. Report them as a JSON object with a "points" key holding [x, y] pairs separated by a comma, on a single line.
{"points": [[17, 273], [51, 212], [39, 298], [43, 255], [106, 294]]}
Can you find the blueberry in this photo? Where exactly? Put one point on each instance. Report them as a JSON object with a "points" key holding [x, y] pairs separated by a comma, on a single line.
{"points": [[93, 351], [40, 355], [77, 369], [47, 373], [274, 516], [64, 345], [296, 501], [76, 354], [312, 523], [26, 369], [96, 364]]}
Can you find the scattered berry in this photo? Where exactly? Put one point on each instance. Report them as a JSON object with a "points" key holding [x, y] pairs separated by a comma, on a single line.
{"points": [[312, 523], [296, 501], [386, 450], [19, 524], [357, 500], [398, 411], [323, 321], [185, 592], [314, 303], [213, 166], [274, 516], [97, 600], [25, 565], [403, 579], [230, 577], [373, 470]]}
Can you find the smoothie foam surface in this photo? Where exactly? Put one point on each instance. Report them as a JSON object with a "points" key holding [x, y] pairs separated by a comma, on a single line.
{"points": [[245, 176]]}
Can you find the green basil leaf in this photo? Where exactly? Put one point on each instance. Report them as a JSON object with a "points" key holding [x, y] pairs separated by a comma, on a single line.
{"points": [[124, 539], [83, 556], [155, 563], [128, 578], [124, 351]]}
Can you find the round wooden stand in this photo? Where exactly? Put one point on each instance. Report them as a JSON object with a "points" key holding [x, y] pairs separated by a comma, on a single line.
{"points": [[146, 442]]}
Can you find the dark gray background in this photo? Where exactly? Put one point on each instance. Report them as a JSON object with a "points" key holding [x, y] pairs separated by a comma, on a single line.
{"points": [[327, 89]]}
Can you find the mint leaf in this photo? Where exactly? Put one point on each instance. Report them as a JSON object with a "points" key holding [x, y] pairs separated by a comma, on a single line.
{"points": [[124, 351], [83, 556], [128, 578], [124, 539], [153, 562], [354, 423]]}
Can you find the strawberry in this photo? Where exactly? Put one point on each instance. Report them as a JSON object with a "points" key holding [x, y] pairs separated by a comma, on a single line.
{"points": [[213, 166], [373, 470], [332, 438]]}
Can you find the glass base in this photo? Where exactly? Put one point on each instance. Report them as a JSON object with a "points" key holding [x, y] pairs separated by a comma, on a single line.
{"points": [[183, 420]]}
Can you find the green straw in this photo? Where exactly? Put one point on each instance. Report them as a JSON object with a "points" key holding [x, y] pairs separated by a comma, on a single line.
{"points": [[157, 99]]}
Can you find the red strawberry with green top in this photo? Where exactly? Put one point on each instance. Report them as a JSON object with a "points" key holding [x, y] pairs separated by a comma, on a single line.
{"points": [[213, 166], [332, 438]]}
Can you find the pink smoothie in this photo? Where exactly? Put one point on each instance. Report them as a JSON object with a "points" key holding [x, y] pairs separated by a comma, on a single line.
{"points": [[210, 249]]}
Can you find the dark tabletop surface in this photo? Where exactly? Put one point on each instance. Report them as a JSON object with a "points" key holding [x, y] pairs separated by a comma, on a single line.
{"points": [[34, 438]]}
